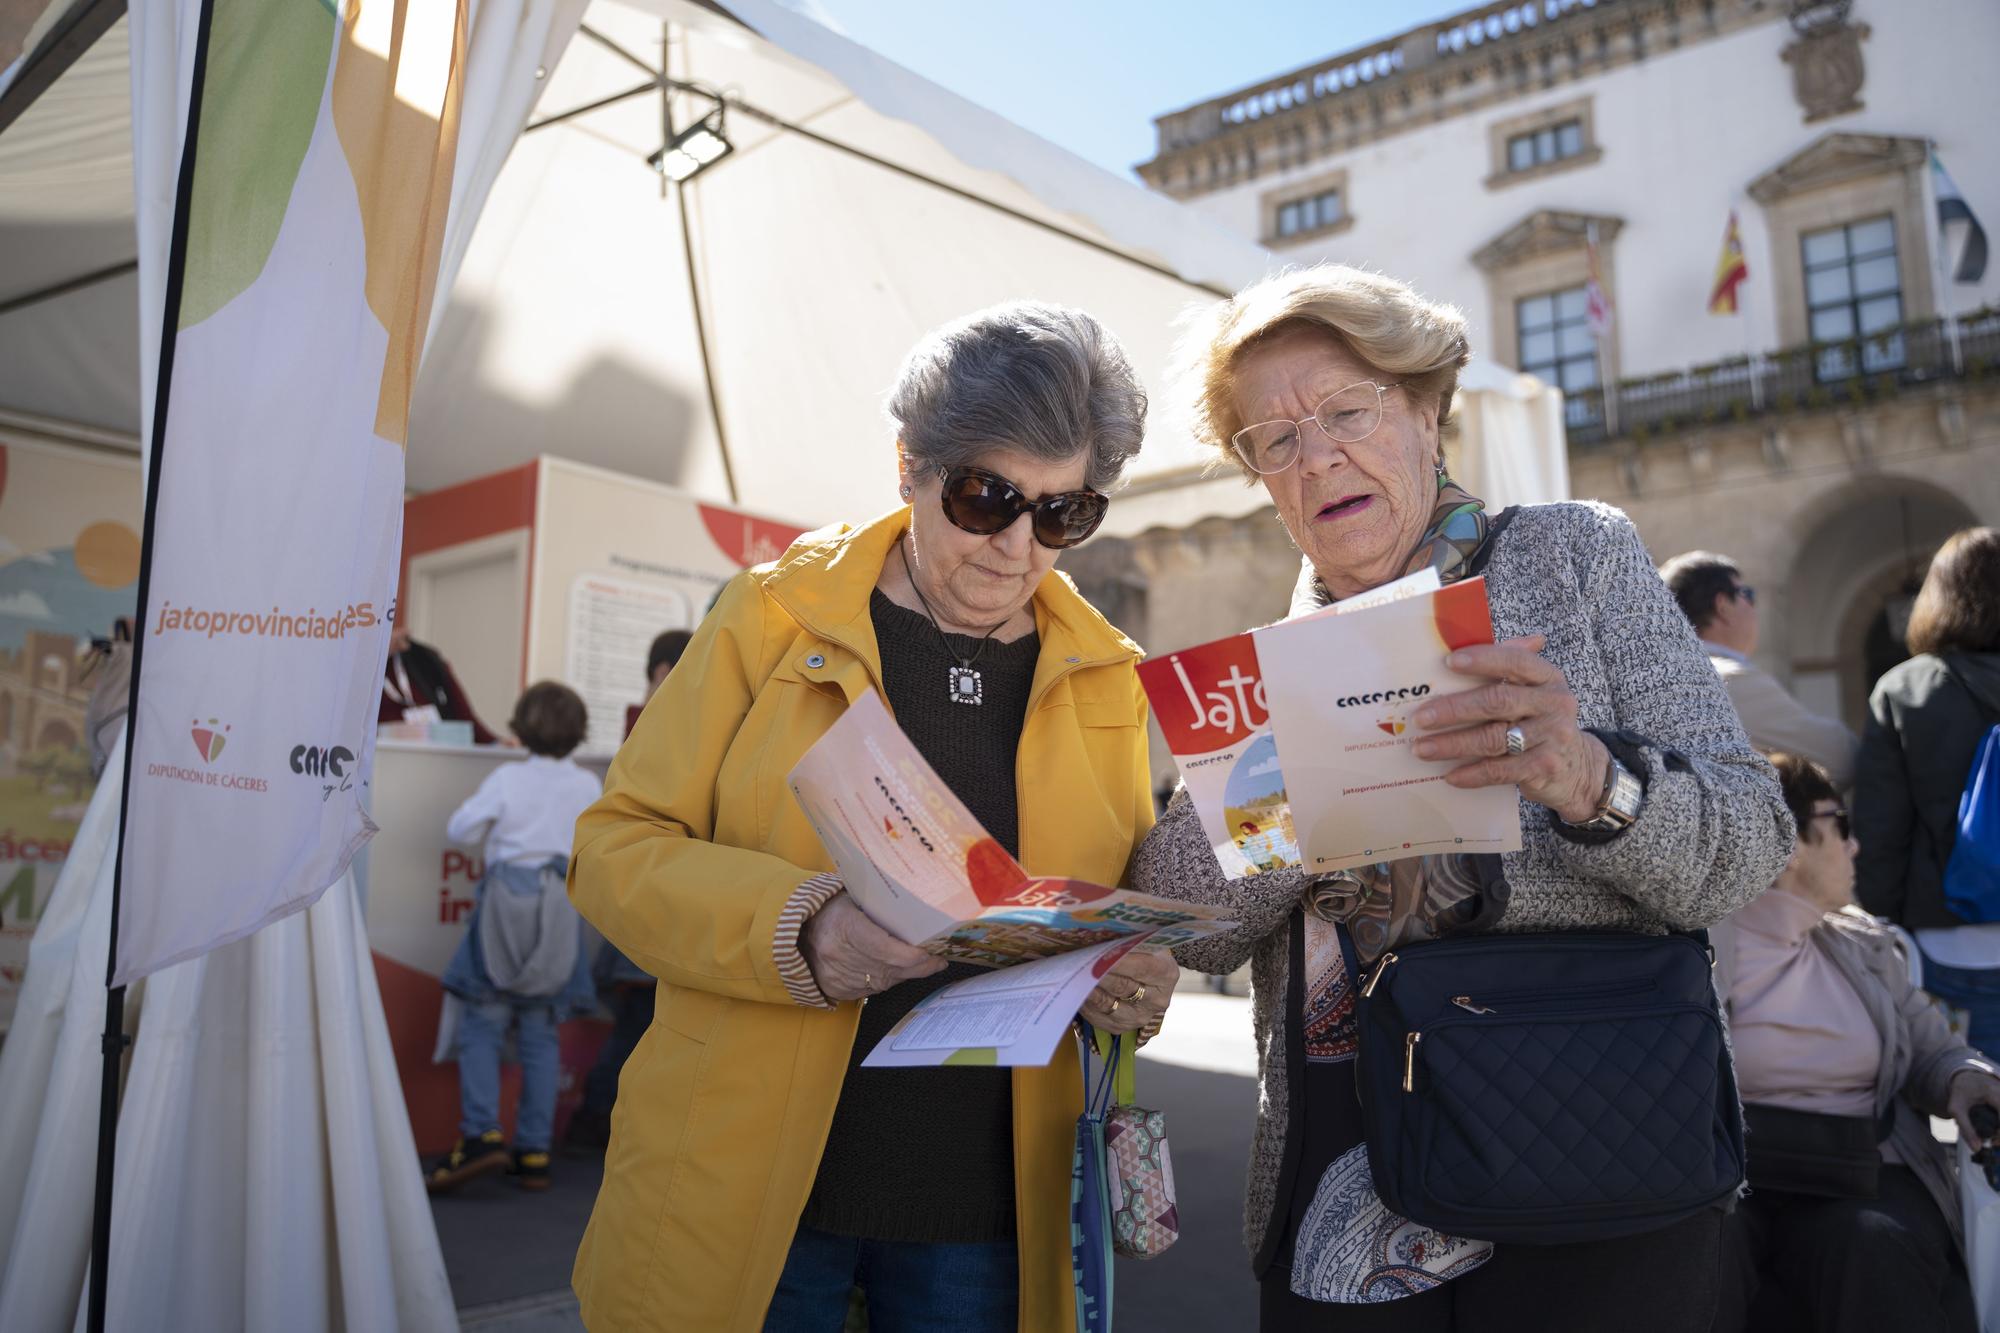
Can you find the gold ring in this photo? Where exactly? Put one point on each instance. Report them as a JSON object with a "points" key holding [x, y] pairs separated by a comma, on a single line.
{"points": [[1136, 996], [1114, 1006]]}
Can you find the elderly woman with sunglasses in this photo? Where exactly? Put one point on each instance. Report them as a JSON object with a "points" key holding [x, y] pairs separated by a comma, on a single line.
{"points": [[1642, 806], [757, 1174]]}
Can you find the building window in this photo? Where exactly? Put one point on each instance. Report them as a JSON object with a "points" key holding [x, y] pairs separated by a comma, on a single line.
{"points": [[1553, 334], [1551, 143], [1854, 297], [1312, 213]]}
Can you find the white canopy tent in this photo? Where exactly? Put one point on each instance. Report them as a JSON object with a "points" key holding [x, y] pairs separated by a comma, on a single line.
{"points": [[733, 338], [742, 355]]}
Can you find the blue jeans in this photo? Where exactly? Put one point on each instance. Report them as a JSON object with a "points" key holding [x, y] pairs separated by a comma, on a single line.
{"points": [[911, 1285], [1975, 990], [482, 1030]]}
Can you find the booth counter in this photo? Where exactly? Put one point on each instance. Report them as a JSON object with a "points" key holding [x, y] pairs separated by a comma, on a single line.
{"points": [[417, 890]]}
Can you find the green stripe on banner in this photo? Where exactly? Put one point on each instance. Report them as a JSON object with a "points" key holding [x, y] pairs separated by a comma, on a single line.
{"points": [[268, 62]]}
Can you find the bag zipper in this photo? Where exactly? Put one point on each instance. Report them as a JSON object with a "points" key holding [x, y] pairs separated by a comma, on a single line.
{"points": [[1471, 1006], [1410, 1040]]}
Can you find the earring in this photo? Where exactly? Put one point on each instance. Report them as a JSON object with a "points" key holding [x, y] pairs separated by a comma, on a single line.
{"points": [[907, 492], [1440, 465]]}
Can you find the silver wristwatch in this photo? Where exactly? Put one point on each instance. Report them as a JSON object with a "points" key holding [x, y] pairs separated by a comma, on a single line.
{"points": [[1619, 804]]}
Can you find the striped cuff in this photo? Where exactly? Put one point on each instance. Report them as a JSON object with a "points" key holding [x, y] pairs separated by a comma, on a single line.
{"points": [[793, 970]]}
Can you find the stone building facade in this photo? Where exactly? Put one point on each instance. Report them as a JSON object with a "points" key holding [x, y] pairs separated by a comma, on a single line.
{"points": [[1828, 435]]}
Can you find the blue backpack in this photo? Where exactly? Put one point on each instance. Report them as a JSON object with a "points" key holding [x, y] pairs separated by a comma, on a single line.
{"points": [[1972, 875]]}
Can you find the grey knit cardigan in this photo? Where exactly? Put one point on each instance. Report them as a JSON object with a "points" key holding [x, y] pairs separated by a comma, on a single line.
{"points": [[1713, 833]]}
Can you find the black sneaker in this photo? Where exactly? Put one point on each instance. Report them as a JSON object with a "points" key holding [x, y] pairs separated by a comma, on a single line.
{"points": [[531, 1169], [467, 1158]]}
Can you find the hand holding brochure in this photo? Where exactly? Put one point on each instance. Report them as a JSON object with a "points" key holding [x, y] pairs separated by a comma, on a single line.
{"points": [[1342, 689], [916, 861], [1329, 694], [1015, 1016]]}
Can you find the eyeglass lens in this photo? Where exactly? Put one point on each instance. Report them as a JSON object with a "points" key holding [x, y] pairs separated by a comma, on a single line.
{"points": [[1349, 415]]}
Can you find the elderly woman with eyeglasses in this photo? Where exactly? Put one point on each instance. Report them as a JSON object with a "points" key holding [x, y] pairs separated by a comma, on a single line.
{"points": [[1642, 806], [757, 1174]]}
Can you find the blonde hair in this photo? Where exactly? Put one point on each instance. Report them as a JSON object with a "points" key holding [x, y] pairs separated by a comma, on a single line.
{"points": [[1383, 322]]}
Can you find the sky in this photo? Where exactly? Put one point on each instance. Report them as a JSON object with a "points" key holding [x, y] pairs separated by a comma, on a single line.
{"points": [[1091, 74]]}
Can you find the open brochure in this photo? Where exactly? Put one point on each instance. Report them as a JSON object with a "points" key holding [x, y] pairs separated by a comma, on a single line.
{"points": [[1329, 694], [917, 862], [1013, 1016]]}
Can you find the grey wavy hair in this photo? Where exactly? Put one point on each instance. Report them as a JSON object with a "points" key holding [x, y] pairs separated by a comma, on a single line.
{"points": [[1047, 380]]}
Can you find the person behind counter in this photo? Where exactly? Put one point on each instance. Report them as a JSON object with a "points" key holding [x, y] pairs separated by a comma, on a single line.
{"points": [[521, 963], [418, 678]]}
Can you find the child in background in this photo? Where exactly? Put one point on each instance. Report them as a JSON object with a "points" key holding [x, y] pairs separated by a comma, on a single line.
{"points": [[521, 963]]}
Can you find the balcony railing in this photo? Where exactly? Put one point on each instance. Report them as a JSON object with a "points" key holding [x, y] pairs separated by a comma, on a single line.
{"points": [[1812, 377]]}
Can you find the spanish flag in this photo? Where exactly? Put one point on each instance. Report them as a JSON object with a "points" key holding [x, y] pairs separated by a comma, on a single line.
{"points": [[1730, 271]]}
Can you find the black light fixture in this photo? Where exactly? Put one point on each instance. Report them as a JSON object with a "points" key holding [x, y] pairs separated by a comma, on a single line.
{"points": [[693, 150]]}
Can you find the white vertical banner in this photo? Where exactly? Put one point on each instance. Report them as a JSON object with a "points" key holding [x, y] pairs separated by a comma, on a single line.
{"points": [[314, 177]]}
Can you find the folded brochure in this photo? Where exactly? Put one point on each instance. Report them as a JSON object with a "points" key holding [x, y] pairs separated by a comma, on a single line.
{"points": [[1294, 740], [916, 861]]}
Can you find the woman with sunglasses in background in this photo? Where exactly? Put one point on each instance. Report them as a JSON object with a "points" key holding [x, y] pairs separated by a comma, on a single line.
{"points": [[757, 1174], [1852, 1218]]}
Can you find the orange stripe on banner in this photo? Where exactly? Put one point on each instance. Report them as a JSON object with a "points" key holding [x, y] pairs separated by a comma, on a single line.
{"points": [[396, 91]]}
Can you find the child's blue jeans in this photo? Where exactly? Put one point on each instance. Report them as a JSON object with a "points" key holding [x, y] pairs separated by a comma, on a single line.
{"points": [[482, 1030]]}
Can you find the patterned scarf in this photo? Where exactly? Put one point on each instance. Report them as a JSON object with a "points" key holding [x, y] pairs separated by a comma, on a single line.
{"points": [[1393, 903]]}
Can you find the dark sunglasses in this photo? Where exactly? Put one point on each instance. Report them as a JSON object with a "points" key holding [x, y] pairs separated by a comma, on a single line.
{"points": [[986, 503], [1746, 592], [1841, 821]]}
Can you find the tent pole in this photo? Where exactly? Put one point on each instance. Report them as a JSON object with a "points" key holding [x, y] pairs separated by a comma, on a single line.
{"points": [[602, 102], [792, 127], [114, 1040], [12, 303], [59, 50], [667, 88], [114, 1043]]}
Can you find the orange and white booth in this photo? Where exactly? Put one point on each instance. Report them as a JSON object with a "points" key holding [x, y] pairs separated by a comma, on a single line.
{"points": [[549, 571]]}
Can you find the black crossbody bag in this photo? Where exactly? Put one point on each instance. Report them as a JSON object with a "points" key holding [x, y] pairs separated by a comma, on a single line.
{"points": [[1548, 1088]]}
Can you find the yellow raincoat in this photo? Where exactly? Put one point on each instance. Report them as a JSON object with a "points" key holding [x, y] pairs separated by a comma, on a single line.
{"points": [[684, 864]]}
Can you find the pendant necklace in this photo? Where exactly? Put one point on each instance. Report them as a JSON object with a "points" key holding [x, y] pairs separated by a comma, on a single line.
{"points": [[967, 686]]}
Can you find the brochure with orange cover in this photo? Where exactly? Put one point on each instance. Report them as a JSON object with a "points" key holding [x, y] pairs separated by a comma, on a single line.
{"points": [[917, 862], [1212, 704], [1341, 691]]}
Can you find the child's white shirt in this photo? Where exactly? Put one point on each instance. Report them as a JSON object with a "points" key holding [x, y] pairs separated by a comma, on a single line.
{"points": [[526, 810]]}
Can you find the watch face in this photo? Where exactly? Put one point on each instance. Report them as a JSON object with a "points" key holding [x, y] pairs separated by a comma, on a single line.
{"points": [[1626, 794]]}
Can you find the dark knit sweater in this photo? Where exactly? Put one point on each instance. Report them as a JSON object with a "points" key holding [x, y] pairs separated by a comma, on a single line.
{"points": [[928, 1154]]}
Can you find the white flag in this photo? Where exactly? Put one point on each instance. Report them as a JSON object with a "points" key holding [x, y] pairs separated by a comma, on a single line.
{"points": [[314, 184]]}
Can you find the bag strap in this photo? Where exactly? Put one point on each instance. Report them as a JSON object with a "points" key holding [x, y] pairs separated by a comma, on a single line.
{"points": [[1100, 1090], [1117, 1085]]}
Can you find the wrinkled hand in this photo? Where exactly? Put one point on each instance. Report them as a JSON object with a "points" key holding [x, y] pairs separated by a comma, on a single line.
{"points": [[851, 956], [1563, 767], [1157, 973], [1970, 1088]]}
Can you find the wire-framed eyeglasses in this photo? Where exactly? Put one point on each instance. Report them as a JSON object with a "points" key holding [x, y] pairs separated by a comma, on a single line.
{"points": [[1346, 415]]}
